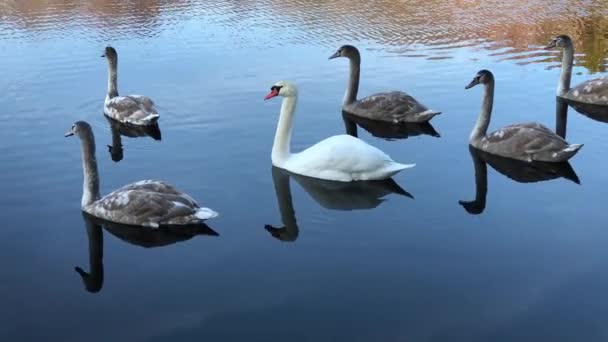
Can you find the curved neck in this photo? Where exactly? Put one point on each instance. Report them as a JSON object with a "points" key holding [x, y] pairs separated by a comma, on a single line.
{"points": [[349, 125], [112, 78], [353, 81], [90, 187], [282, 138], [483, 121], [566, 75]]}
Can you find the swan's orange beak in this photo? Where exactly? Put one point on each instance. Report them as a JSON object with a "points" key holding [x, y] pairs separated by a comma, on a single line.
{"points": [[273, 93]]}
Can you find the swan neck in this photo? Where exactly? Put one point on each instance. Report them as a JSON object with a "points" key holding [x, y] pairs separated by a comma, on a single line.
{"points": [[566, 73], [90, 187], [350, 126], [353, 81], [483, 121], [112, 78], [282, 137]]}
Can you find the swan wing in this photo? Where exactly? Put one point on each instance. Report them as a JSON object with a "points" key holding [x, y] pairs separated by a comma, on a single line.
{"points": [[593, 91], [149, 203], [159, 187], [343, 158], [524, 141], [532, 125], [394, 106], [135, 109]]}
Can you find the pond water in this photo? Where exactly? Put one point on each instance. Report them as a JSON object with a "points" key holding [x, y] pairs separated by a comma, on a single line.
{"points": [[290, 259]]}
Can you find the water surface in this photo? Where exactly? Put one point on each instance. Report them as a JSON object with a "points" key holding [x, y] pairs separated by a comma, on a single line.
{"points": [[298, 260]]}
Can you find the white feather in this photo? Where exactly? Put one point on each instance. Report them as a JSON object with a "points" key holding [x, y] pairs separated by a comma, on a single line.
{"points": [[205, 214], [338, 158]]}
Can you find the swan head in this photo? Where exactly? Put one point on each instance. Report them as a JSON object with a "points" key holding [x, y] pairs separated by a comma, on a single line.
{"points": [[282, 88], [79, 129], [561, 41], [110, 53], [347, 51], [482, 77]]}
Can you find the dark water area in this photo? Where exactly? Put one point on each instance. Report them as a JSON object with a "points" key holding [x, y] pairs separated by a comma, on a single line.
{"points": [[463, 247]]}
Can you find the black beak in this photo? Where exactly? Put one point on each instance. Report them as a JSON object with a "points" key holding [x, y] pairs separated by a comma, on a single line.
{"points": [[335, 55], [473, 83], [69, 134], [103, 55], [550, 46]]}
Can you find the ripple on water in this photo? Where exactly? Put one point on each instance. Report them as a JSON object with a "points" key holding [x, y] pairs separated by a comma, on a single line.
{"points": [[447, 25]]}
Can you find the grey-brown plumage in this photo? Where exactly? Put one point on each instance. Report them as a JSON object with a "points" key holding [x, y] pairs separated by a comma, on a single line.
{"points": [[593, 91], [153, 237], [528, 141], [393, 106], [133, 109], [145, 203]]}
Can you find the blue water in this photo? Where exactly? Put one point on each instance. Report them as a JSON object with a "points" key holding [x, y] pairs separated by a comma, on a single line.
{"points": [[530, 267]]}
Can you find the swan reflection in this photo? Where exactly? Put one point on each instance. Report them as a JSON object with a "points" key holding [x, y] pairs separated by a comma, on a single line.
{"points": [[592, 111], [134, 235], [387, 130], [155, 237], [519, 171], [93, 281], [289, 231], [131, 131], [345, 196]]}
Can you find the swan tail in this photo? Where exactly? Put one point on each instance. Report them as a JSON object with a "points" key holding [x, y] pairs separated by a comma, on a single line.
{"points": [[426, 115], [401, 167], [395, 168], [431, 112], [570, 151], [205, 214], [151, 118]]}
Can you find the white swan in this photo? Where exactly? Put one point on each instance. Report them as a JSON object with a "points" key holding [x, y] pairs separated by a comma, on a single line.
{"points": [[145, 203], [133, 109], [340, 157]]}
